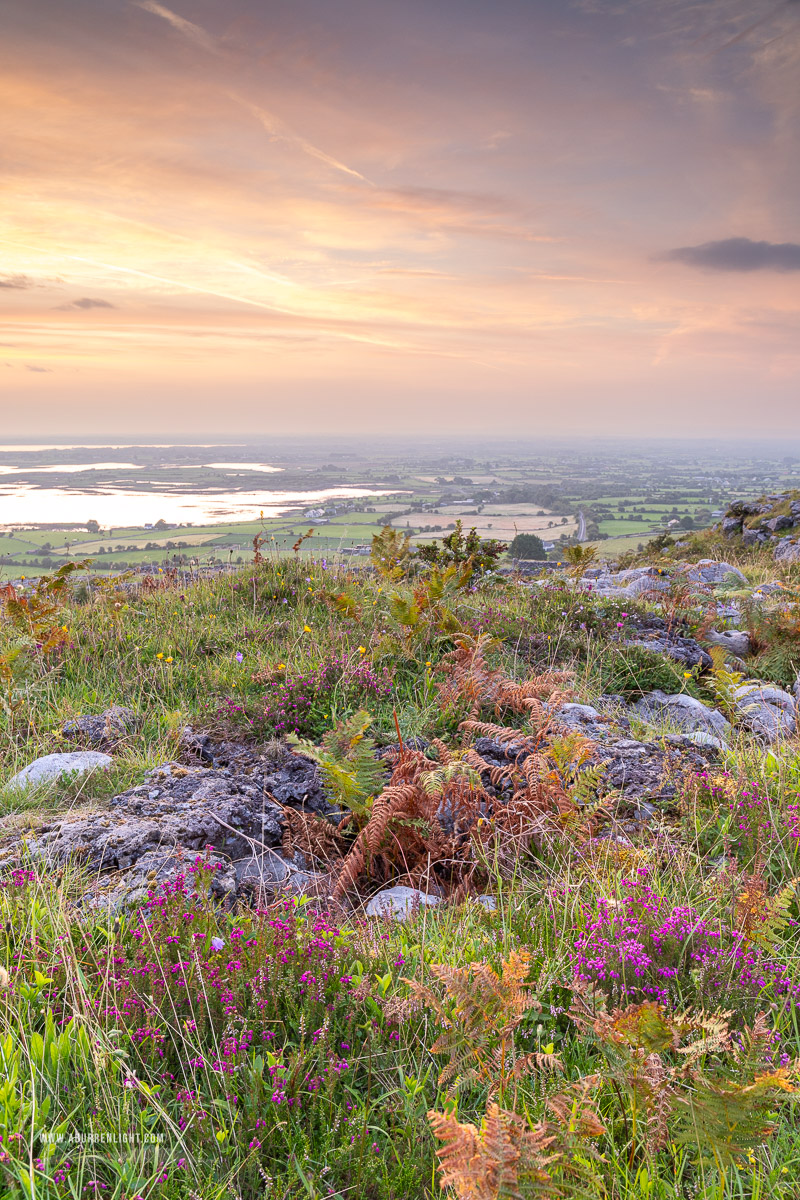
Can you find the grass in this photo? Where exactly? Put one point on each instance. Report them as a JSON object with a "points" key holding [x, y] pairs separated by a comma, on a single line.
{"points": [[186, 1049]]}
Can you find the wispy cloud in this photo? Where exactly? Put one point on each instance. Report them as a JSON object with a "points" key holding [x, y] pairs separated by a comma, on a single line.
{"points": [[86, 302], [281, 132], [738, 254], [195, 33], [16, 282]]}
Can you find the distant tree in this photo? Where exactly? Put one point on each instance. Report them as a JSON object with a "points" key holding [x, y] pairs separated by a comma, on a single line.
{"points": [[92, 527], [686, 523], [527, 545], [161, 524]]}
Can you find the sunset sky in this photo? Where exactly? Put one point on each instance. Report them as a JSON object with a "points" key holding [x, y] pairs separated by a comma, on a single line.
{"points": [[366, 215]]}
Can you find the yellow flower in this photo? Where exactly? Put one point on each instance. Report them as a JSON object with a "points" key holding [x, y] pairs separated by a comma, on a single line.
{"points": [[169, 659], [306, 629], [64, 629], [281, 666], [687, 674], [428, 664], [362, 650], [159, 656]]}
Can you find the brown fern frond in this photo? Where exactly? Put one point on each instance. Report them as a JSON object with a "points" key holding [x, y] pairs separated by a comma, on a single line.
{"points": [[469, 677], [487, 1163], [500, 734], [575, 1109]]}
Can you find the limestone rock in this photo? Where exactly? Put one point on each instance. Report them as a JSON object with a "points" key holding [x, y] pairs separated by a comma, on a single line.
{"points": [[647, 770], [103, 730], [48, 770], [701, 738], [684, 712], [766, 710], [583, 717], [787, 550], [653, 633], [399, 902], [176, 806], [709, 571], [733, 641]]}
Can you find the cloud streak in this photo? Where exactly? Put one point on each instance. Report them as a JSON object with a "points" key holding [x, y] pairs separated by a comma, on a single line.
{"points": [[195, 33], [278, 130], [16, 283], [85, 303], [738, 254]]}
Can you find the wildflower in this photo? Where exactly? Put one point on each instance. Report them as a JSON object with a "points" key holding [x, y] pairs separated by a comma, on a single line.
{"points": [[239, 656], [170, 659], [362, 650], [687, 674], [306, 629], [217, 943], [428, 664], [159, 655]]}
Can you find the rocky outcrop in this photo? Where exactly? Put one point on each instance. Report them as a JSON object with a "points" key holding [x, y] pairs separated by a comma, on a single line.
{"points": [[769, 521], [644, 771], [229, 811]]}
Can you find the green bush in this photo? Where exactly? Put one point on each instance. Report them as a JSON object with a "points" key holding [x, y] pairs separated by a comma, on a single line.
{"points": [[527, 545]]}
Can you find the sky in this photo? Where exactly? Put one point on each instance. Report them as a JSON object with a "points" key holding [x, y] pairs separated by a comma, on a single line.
{"points": [[358, 216]]}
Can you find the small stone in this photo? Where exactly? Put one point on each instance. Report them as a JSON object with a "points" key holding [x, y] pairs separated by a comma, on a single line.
{"points": [[701, 738]]}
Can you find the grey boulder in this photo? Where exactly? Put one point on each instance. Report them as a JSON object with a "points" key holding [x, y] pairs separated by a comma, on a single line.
{"points": [[682, 711], [399, 902], [52, 768], [767, 711], [733, 641], [709, 571], [787, 550]]}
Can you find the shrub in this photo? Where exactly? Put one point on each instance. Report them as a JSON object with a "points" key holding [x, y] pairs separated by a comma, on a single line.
{"points": [[527, 545]]}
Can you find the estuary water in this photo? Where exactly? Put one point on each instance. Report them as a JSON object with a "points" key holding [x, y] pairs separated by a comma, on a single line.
{"points": [[102, 489]]}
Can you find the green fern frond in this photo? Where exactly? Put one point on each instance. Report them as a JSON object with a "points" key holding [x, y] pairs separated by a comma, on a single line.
{"points": [[351, 775]]}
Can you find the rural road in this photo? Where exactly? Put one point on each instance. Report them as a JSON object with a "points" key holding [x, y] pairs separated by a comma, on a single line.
{"points": [[581, 534]]}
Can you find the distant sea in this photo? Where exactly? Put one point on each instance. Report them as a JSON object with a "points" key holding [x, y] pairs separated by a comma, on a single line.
{"points": [[99, 479]]}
